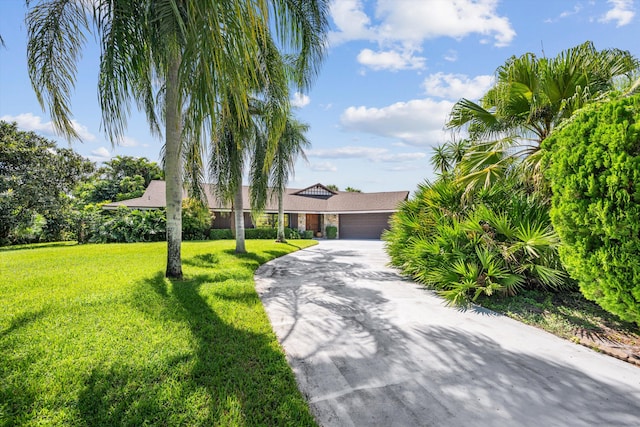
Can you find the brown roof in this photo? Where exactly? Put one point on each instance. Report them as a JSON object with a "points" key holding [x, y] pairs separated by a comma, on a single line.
{"points": [[335, 202]]}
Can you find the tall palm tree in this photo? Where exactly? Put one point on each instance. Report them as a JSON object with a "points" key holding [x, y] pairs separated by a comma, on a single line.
{"points": [[291, 144], [168, 48], [530, 97], [255, 140]]}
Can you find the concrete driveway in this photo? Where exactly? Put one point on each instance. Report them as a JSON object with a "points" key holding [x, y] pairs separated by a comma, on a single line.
{"points": [[371, 349]]}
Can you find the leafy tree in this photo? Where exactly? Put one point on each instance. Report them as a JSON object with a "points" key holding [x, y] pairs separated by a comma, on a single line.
{"points": [[121, 178], [530, 97], [594, 168], [36, 179], [192, 52], [333, 187], [352, 190]]}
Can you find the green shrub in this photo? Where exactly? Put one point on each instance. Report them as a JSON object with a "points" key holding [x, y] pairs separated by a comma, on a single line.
{"points": [[261, 233], [290, 233], [593, 164], [127, 226], [308, 234], [499, 245], [332, 231], [196, 220], [220, 234]]}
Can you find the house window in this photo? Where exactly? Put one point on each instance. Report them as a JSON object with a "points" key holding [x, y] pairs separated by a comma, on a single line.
{"points": [[270, 220]]}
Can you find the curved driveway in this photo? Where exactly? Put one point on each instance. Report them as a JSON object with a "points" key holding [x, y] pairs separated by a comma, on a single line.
{"points": [[371, 349]]}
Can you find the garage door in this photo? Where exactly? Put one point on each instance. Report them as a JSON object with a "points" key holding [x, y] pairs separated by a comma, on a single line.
{"points": [[363, 226]]}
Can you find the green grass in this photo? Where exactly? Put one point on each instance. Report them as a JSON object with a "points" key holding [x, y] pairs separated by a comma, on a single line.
{"points": [[95, 335], [561, 313]]}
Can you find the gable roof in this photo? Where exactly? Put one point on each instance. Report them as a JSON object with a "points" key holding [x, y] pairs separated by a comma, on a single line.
{"points": [[295, 200]]}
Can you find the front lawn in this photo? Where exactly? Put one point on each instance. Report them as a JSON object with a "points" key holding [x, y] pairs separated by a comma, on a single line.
{"points": [[95, 335]]}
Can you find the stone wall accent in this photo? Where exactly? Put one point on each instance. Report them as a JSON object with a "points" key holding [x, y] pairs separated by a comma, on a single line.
{"points": [[302, 222], [332, 219]]}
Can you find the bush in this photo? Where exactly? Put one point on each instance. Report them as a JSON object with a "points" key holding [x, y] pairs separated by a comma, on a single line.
{"points": [[128, 226], [196, 220], [500, 245], [290, 233], [308, 234], [593, 164], [260, 233], [332, 231], [220, 234]]}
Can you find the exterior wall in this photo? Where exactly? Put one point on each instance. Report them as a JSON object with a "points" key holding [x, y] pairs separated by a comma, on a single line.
{"points": [[225, 220], [332, 219], [222, 220], [302, 222]]}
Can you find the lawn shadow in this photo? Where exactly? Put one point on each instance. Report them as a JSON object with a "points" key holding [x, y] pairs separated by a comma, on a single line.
{"points": [[36, 246], [15, 398], [230, 375]]}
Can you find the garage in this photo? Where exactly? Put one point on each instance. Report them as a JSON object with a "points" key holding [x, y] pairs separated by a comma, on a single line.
{"points": [[363, 226]]}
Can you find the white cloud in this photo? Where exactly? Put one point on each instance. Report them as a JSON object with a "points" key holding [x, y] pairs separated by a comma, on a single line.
{"points": [[451, 56], [351, 20], [622, 12], [369, 153], [456, 86], [101, 153], [323, 167], [391, 60], [300, 100], [127, 141], [417, 122], [30, 122], [409, 22]]}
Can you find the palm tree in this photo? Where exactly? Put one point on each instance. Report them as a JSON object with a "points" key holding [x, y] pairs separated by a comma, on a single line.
{"points": [[168, 47], [530, 98], [290, 145]]}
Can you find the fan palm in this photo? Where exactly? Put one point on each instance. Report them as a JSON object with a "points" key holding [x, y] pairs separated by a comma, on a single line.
{"points": [[188, 52], [531, 96]]}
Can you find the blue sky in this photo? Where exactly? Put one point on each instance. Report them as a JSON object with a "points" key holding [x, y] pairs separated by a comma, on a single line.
{"points": [[392, 72]]}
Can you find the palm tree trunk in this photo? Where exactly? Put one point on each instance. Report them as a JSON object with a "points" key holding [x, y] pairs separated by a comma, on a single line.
{"points": [[173, 170], [239, 216], [281, 236]]}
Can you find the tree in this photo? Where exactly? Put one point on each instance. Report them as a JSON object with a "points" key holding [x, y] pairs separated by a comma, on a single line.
{"points": [[593, 163], [530, 97], [121, 178], [352, 190], [36, 179], [290, 145], [191, 52], [333, 187]]}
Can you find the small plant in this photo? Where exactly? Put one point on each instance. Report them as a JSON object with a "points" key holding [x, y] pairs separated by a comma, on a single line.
{"points": [[308, 234], [332, 231]]}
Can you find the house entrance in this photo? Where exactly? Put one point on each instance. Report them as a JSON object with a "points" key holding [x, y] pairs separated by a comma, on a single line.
{"points": [[313, 222]]}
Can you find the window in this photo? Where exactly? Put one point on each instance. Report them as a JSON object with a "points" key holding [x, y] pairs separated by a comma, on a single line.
{"points": [[270, 220]]}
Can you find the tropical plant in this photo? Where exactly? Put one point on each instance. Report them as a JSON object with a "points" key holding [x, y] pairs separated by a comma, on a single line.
{"points": [[502, 244], [191, 52], [593, 163], [196, 220], [290, 145], [530, 97]]}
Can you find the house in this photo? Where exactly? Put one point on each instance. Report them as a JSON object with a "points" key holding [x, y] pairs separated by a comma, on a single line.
{"points": [[356, 215]]}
